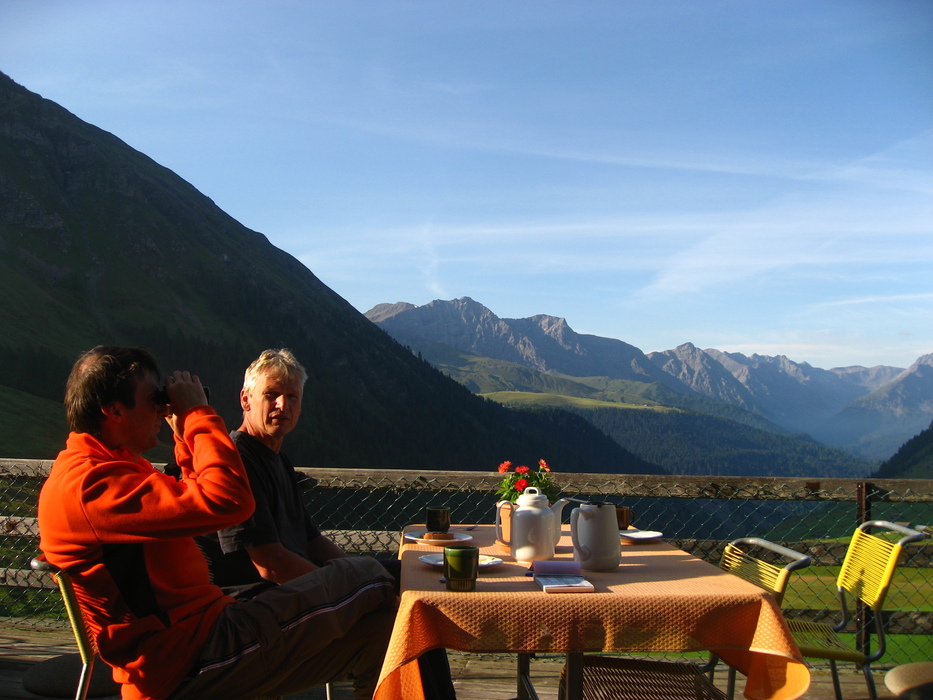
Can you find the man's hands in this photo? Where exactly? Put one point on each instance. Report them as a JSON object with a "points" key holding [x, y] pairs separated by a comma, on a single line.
{"points": [[185, 391]]}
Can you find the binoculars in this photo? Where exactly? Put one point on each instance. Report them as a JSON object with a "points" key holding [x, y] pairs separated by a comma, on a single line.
{"points": [[161, 396]]}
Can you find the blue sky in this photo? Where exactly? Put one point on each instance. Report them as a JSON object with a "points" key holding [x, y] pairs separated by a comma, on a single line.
{"points": [[749, 176]]}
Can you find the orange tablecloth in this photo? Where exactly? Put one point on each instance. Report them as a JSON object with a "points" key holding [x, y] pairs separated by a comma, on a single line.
{"points": [[659, 599]]}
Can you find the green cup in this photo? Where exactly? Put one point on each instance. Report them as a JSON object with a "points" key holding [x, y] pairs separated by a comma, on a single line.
{"points": [[461, 565]]}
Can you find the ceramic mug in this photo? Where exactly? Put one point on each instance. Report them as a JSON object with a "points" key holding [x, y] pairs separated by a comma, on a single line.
{"points": [[461, 566], [624, 516], [437, 518]]}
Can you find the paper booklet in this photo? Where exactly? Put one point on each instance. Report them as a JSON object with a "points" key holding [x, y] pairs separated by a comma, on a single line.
{"points": [[563, 583]]}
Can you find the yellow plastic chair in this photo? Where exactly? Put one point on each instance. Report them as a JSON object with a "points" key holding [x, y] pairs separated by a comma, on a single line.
{"points": [[739, 558], [606, 677], [766, 574], [86, 647], [865, 575]]}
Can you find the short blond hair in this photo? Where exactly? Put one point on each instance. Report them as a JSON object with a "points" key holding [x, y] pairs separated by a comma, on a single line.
{"points": [[278, 362]]}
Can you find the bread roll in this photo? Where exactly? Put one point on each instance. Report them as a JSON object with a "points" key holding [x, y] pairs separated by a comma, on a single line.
{"points": [[437, 536]]}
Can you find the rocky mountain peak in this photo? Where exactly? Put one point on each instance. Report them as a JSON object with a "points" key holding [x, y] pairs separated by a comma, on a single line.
{"points": [[381, 312]]}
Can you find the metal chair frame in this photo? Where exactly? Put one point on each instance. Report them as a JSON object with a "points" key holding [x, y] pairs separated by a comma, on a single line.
{"points": [[866, 574], [86, 646]]}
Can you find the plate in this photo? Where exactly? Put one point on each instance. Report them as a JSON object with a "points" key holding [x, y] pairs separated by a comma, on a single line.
{"points": [[457, 537], [641, 535], [485, 561]]}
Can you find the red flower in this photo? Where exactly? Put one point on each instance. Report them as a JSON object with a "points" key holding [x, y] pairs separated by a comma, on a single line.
{"points": [[521, 484], [522, 470], [504, 467], [543, 465]]}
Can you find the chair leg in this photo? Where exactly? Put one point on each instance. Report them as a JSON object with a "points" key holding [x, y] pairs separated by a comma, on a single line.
{"points": [[836, 687], [327, 691], [870, 682], [84, 682], [730, 687]]}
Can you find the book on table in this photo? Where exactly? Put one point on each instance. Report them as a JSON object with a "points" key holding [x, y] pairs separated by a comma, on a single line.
{"points": [[563, 583]]}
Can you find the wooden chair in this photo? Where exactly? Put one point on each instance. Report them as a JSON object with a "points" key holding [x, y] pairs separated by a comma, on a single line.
{"points": [[865, 575], [607, 677]]}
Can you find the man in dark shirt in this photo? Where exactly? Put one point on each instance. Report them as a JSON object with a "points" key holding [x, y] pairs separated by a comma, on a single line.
{"points": [[279, 542]]}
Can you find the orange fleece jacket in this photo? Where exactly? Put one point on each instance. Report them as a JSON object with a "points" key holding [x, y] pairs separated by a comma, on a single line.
{"points": [[124, 531]]}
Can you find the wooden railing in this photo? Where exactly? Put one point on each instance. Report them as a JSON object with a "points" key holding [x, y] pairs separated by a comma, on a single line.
{"points": [[363, 511]]}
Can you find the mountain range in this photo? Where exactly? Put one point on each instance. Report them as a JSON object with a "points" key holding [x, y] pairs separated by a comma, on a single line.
{"points": [[869, 412]]}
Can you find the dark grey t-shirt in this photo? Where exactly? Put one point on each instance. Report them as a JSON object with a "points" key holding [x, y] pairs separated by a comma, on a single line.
{"points": [[280, 516]]}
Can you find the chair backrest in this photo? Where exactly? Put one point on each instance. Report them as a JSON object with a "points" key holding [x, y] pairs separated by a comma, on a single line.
{"points": [[86, 646], [871, 561], [738, 558]]}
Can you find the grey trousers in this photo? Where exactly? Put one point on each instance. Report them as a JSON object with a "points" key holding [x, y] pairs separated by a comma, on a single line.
{"points": [[331, 624]]}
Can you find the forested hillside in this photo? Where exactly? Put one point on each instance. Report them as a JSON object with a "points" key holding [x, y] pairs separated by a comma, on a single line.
{"points": [[914, 460], [693, 443]]}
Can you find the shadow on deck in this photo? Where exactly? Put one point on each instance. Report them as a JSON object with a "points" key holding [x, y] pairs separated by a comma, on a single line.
{"points": [[476, 677]]}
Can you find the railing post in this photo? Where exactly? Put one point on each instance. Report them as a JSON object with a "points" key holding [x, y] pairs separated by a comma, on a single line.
{"points": [[864, 492], [863, 495]]}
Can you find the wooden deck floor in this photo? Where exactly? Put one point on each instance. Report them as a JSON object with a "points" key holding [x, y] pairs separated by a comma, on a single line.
{"points": [[476, 677]]}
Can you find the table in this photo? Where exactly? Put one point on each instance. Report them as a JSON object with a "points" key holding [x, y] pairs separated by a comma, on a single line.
{"points": [[659, 599]]}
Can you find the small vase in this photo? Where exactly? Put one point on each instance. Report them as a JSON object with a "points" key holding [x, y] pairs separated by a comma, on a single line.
{"points": [[504, 522]]}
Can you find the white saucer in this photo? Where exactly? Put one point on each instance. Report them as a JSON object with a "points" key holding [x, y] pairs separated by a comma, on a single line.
{"points": [[485, 561], [641, 535], [455, 537]]}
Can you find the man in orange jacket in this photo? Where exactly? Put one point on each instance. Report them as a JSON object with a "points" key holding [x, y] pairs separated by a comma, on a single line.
{"points": [[124, 531]]}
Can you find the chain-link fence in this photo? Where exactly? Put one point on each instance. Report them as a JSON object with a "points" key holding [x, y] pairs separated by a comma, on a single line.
{"points": [[363, 511]]}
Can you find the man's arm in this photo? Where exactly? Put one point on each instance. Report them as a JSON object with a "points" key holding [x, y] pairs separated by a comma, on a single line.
{"points": [[275, 562], [322, 549]]}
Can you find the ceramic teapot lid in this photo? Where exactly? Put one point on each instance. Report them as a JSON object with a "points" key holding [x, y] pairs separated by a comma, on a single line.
{"points": [[532, 496]]}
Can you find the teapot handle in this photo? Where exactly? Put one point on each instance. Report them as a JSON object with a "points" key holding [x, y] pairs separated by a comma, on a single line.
{"points": [[499, 506], [581, 552]]}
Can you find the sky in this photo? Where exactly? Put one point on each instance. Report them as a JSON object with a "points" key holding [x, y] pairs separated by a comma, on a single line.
{"points": [[752, 176]]}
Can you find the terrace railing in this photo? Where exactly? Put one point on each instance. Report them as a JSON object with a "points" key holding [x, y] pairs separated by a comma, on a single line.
{"points": [[363, 511]]}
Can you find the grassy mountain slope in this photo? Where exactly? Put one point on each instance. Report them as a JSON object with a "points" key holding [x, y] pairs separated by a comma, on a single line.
{"points": [[99, 244], [487, 376], [30, 427]]}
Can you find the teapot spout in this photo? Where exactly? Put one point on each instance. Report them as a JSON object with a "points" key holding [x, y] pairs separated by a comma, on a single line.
{"points": [[558, 507]]}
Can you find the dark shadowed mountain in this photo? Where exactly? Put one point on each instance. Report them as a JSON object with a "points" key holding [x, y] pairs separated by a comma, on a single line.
{"points": [[867, 411], [914, 460], [99, 244]]}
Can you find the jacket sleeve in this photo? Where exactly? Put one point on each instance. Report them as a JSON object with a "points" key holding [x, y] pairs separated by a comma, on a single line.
{"points": [[129, 501]]}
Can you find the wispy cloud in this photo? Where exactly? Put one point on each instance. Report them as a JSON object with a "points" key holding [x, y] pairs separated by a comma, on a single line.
{"points": [[876, 300]]}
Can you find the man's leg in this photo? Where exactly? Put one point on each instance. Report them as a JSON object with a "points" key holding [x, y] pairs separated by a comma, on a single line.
{"points": [[331, 624]]}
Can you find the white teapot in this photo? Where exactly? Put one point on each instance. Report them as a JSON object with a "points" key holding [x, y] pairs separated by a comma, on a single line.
{"points": [[532, 530], [595, 534]]}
